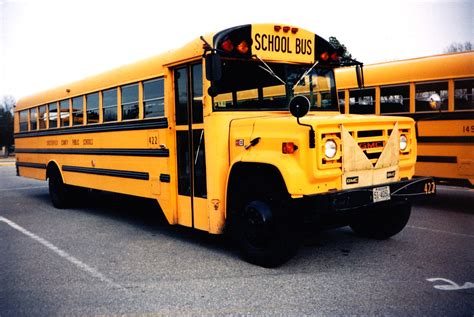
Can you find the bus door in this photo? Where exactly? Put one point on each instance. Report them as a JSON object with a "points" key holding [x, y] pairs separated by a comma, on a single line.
{"points": [[191, 162]]}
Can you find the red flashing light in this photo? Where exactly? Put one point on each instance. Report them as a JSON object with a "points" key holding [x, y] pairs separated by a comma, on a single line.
{"points": [[324, 56], [286, 29], [227, 46], [243, 47], [334, 56], [288, 148], [294, 30], [277, 28]]}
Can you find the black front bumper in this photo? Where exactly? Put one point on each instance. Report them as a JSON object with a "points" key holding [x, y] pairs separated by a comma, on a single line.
{"points": [[402, 191], [358, 198]]}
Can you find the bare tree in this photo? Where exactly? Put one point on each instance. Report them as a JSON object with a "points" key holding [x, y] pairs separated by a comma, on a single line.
{"points": [[7, 104], [338, 45], [458, 47]]}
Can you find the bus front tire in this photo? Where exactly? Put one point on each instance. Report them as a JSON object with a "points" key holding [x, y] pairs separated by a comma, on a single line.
{"points": [[381, 224], [262, 234]]}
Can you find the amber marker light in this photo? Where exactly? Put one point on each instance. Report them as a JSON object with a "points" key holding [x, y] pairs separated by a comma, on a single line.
{"points": [[288, 148], [243, 47]]}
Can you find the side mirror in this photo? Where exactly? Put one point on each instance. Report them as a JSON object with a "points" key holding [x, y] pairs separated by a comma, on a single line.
{"points": [[435, 102], [213, 67], [299, 106]]}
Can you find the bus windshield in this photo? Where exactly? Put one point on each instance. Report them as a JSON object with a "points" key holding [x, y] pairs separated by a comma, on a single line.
{"points": [[250, 85]]}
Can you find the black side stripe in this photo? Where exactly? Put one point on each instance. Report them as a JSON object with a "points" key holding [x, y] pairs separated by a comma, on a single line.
{"points": [[114, 152], [31, 165], [165, 178], [436, 116], [437, 159], [445, 139], [106, 172], [160, 123]]}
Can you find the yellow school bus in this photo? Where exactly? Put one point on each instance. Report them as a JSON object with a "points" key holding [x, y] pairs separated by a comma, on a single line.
{"points": [[437, 91], [206, 131]]}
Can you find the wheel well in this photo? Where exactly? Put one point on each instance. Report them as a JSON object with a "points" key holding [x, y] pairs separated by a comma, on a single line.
{"points": [[52, 169], [253, 180]]}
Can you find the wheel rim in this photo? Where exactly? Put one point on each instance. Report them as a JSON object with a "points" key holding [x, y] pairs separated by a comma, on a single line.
{"points": [[255, 229]]}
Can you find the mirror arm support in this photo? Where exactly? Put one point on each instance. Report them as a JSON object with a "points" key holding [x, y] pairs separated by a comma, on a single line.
{"points": [[312, 134]]}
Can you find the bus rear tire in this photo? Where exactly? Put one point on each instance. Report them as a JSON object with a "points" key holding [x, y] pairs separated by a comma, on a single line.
{"points": [[382, 223], [58, 191], [262, 234]]}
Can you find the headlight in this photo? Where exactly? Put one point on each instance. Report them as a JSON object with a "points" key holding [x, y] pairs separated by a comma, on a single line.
{"points": [[403, 142], [330, 149]]}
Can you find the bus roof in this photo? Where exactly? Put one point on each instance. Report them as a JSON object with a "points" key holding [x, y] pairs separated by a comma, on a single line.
{"points": [[270, 41], [428, 68], [151, 67]]}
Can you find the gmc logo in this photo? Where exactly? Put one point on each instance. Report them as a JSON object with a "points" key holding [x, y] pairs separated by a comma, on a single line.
{"points": [[352, 180], [390, 174], [371, 145]]}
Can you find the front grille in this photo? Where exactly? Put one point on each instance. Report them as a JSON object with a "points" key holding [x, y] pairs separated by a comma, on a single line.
{"points": [[366, 134], [372, 142]]}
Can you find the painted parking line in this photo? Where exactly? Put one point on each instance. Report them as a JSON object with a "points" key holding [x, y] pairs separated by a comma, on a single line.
{"points": [[442, 231], [20, 188], [63, 254], [449, 285]]}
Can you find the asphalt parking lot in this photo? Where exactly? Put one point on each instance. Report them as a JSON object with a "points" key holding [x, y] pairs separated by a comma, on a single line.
{"points": [[115, 254]]}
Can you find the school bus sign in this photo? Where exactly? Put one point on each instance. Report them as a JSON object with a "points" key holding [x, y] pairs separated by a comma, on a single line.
{"points": [[274, 42]]}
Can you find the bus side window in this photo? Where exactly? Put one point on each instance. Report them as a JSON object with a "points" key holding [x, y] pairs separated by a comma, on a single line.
{"points": [[33, 119], [92, 106], [23, 120], [342, 101], [64, 113], [153, 98], [53, 115], [463, 94], [77, 110], [129, 102], [362, 101], [423, 92], [42, 117], [395, 99], [109, 105]]}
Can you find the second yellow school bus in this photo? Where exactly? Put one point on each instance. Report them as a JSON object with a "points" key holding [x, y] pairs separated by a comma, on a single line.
{"points": [[205, 131], [437, 91]]}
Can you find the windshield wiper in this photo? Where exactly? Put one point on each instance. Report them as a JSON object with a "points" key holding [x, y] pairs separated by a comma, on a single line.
{"points": [[304, 75], [269, 70]]}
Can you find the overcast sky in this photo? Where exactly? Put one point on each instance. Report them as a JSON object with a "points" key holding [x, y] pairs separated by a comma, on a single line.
{"points": [[45, 43]]}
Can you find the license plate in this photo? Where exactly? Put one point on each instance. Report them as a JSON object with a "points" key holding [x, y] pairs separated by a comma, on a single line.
{"points": [[381, 193]]}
